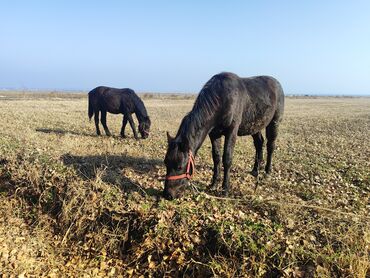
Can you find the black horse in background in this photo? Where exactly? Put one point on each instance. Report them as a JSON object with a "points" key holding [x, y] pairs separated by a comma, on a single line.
{"points": [[118, 101], [230, 106]]}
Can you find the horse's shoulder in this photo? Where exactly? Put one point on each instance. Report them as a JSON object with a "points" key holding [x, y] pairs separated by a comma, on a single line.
{"points": [[103, 88], [226, 76], [261, 78]]}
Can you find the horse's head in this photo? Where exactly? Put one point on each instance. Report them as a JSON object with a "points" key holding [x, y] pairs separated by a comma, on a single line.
{"points": [[179, 163], [144, 127]]}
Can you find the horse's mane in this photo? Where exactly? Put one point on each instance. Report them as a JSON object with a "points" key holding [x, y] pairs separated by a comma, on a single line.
{"points": [[206, 104]]}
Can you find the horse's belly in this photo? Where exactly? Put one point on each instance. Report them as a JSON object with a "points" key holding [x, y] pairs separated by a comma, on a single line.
{"points": [[252, 125], [113, 108], [250, 129]]}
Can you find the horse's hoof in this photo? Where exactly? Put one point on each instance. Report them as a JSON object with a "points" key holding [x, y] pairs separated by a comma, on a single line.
{"points": [[254, 173], [267, 176], [123, 136]]}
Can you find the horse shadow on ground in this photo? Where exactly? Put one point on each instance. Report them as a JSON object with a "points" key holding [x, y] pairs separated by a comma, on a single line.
{"points": [[64, 132], [59, 131], [110, 169]]}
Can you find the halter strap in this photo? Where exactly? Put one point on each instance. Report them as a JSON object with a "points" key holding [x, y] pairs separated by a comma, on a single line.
{"points": [[187, 174]]}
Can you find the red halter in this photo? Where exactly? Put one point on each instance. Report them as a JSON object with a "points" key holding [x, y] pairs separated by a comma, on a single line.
{"points": [[187, 173]]}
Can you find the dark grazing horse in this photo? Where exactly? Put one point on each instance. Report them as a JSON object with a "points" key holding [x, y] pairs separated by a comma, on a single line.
{"points": [[230, 106], [118, 101]]}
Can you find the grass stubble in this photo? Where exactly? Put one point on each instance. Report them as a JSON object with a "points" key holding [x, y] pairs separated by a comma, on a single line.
{"points": [[75, 204]]}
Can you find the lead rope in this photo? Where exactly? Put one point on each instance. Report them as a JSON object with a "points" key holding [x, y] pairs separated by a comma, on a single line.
{"points": [[281, 204]]}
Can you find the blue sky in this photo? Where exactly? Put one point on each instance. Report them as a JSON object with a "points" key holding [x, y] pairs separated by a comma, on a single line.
{"points": [[312, 47]]}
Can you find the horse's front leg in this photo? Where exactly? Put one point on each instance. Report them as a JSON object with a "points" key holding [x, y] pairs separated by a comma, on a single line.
{"points": [[124, 123], [132, 124], [227, 158], [216, 156]]}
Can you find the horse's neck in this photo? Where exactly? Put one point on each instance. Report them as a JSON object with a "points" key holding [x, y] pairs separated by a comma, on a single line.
{"points": [[139, 115], [140, 111], [195, 132]]}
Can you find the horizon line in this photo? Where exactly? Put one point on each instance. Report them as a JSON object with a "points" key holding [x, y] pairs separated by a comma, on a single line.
{"points": [[53, 90]]}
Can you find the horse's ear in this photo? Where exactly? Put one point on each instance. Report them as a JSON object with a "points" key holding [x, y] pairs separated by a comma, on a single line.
{"points": [[169, 138]]}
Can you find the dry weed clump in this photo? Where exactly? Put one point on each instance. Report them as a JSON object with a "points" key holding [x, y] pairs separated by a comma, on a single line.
{"points": [[95, 201]]}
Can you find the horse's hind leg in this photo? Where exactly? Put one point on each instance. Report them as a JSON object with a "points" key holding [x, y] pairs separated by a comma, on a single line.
{"points": [[216, 156], [258, 144], [271, 134], [96, 118], [104, 122], [124, 123]]}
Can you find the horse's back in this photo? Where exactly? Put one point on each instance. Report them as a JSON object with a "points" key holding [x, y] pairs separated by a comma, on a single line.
{"points": [[256, 88], [250, 102], [272, 93], [264, 90], [266, 102], [113, 100]]}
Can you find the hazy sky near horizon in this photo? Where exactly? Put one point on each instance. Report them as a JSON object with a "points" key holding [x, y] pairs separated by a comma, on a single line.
{"points": [[312, 47]]}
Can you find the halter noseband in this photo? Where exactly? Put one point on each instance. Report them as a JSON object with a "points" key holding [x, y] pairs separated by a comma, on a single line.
{"points": [[187, 174]]}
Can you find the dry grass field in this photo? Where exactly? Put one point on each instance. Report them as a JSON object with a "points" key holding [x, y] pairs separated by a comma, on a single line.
{"points": [[74, 204]]}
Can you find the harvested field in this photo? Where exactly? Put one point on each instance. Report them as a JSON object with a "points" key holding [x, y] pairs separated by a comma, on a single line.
{"points": [[75, 204]]}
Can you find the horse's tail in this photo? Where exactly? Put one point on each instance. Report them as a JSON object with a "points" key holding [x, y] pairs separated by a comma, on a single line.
{"points": [[91, 106]]}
